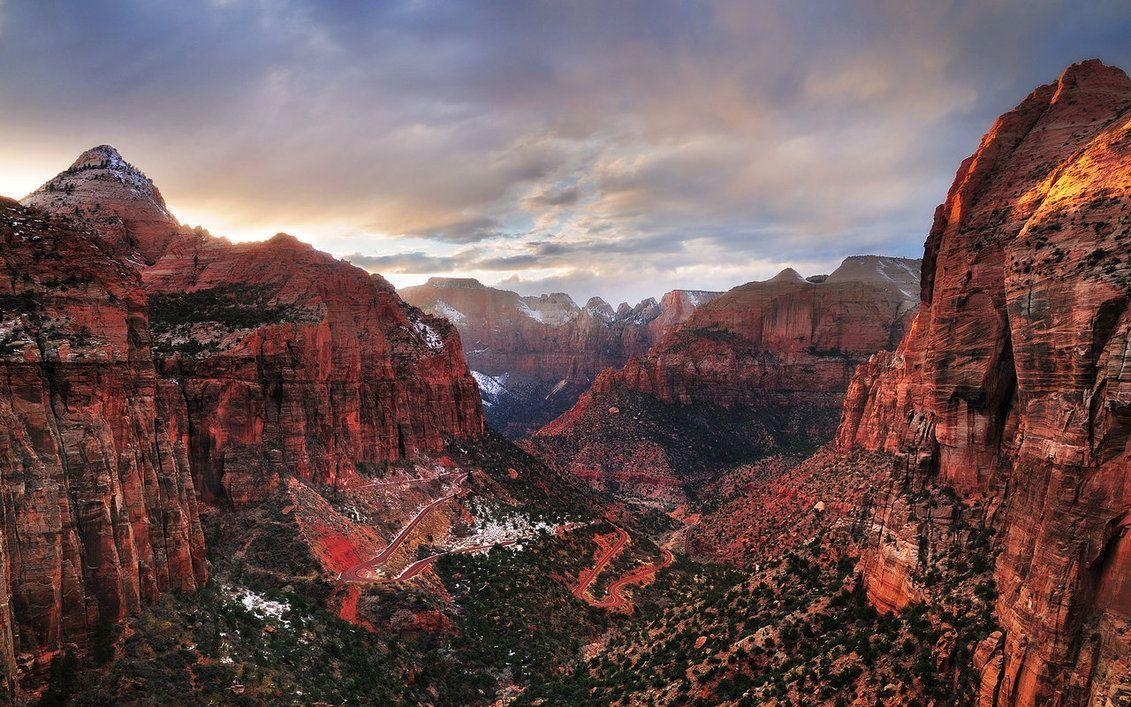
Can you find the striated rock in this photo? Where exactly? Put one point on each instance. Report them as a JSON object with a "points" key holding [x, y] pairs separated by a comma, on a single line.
{"points": [[112, 195], [99, 509], [288, 361], [1013, 383], [294, 363], [534, 356], [758, 369]]}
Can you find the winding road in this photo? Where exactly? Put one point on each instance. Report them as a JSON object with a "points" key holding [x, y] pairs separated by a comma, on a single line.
{"points": [[586, 578], [420, 565], [614, 596], [361, 571]]}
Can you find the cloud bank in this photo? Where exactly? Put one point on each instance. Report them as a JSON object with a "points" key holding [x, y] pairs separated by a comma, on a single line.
{"points": [[619, 149]]}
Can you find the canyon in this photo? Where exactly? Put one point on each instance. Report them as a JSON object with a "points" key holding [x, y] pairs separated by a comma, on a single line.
{"points": [[250, 471], [760, 369], [534, 356]]}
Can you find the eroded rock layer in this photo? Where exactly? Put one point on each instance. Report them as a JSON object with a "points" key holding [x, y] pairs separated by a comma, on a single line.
{"points": [[1014, 385], [534, 356], [292, 362], [760, 369], [99, 512]]}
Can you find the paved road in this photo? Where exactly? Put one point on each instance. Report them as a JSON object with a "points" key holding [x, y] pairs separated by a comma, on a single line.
{"points": [[360, 571], [420, 565], [615, 597], [586, 578]]}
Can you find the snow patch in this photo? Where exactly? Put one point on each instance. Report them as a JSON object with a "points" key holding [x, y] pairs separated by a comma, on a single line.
{"points": [[442, 309], [257, 604], [430, 336]]}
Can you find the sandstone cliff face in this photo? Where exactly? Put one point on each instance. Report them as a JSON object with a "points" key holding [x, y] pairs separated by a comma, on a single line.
{"points": [[534, 356], [784, 334], [99, 512], [759, 369], [287, 361], [110, 194], [294, 363], [1014, 385]]}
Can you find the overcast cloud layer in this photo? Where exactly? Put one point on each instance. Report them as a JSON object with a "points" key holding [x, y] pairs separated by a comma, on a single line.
{"points": [[620, 149]]}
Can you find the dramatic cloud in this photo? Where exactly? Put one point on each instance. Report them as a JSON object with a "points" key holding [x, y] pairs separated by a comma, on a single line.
{"points": [[619, 149]]}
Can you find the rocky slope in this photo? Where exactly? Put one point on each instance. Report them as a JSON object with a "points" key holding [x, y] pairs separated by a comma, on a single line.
{"points": [[534, 356], [294, 363], [146, 365], [99, 510], [1013, 386], [759, 369], [112, 195]]}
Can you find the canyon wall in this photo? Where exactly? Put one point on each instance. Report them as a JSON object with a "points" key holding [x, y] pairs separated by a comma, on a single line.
{"points": [[762, 368], [99, 512], [294, 363], [287, 361], [1013, 387], [144, 366], [534, 356]]}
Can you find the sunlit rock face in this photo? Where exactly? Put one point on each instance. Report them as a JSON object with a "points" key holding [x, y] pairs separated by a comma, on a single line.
{"points": [[761, 368], [1014, 385], [534, 356], [100, 512]]}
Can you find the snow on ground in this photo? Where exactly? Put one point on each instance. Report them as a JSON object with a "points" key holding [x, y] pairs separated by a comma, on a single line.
{"points": [[258, 604], [431, 337], [494, 526], [442, 309]]}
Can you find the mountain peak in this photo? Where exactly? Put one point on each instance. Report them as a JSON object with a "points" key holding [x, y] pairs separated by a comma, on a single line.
{"points": [[463, 283], [113, 196], [787, 275], [102, 155]]}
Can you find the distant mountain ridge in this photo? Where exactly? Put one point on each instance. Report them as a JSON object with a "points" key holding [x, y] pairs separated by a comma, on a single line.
{"points": [[534, 355], [763, 365]]}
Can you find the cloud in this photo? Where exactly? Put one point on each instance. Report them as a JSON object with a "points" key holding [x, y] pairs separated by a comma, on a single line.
{"points": [[626, 148], [409, 262]]}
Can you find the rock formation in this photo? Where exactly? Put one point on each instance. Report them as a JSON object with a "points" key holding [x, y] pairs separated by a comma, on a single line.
{"points": [[112, 195], [288, 361], [99, 511], [294, 363], [534, 356], [1013, 387], [759, 369]]}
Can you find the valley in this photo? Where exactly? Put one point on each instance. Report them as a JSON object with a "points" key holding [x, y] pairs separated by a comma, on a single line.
{"points": [[251, 472]]}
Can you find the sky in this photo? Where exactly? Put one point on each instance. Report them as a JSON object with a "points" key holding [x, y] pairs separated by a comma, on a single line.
{"points": [[619, 149]]}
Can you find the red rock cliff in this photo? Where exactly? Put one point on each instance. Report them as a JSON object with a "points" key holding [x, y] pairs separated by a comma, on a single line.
{"points": [[536, 355], [99, 512], [760, 368], [293, 362], [288, 361], [1014, 385]]}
